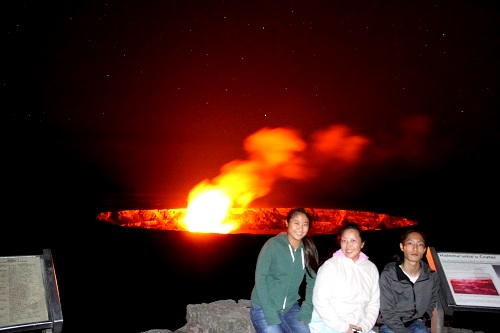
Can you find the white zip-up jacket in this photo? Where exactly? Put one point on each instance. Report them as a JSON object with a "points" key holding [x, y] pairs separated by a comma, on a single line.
{"points": [[345, 292]]}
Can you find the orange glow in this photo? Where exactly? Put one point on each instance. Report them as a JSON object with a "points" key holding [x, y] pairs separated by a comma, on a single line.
{"points": [[254, 220], [273, 153], [207, 210], [242, 181]]}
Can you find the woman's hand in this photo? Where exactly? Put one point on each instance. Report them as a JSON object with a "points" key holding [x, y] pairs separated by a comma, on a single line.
{"points": [[354, 329]]}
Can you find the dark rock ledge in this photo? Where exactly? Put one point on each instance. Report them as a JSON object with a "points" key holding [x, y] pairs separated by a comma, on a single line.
{"points": [[228, 316]]}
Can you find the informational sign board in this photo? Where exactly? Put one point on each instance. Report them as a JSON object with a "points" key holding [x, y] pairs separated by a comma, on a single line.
{"points": [[29, 298], [469, 281]]}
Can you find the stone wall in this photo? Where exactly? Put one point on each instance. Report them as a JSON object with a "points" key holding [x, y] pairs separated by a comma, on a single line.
{"points": [[229, 316], [225, 316]]}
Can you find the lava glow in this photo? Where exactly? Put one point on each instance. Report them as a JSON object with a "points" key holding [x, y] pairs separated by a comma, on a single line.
{"points": [[273, 153], [207, 211]]}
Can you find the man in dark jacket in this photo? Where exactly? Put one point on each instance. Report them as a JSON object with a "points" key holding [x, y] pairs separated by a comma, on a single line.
{"points": [[408, 289]]}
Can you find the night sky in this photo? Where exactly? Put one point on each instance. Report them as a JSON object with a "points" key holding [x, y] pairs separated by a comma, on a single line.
{"points": [[386, 106]]}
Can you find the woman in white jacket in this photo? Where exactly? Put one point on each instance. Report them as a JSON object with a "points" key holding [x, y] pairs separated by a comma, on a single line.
{"points": [[346, 296]]}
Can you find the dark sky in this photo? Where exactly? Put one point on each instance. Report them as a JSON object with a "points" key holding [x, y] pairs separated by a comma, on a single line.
{"points": [[389, 106]]}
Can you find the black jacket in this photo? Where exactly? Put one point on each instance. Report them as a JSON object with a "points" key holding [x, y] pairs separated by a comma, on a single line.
{"points": [[402, 301]]}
